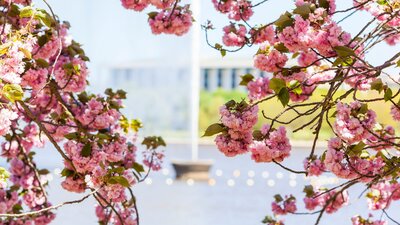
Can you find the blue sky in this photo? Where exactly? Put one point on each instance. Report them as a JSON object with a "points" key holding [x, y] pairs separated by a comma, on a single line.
{"points": [[111, 34]]}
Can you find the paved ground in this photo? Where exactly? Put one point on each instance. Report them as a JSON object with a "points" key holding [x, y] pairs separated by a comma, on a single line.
{"points": [[239, 193]]}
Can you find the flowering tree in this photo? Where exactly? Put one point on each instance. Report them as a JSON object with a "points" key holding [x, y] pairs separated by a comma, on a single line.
{"points": [[304, 49], [43, 99]]}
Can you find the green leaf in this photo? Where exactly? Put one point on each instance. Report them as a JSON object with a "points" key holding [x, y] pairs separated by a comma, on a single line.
{"points": [[268, 220], [13, 11], [42, 40], [323, 156], [347, 61], [121, 94], [281, 47], [218, 46], [344, 51], [136, 125], [119, 180], [43, 171], [4, 174], [42, 63], [364, 154], [363, 109], [152, 15], [17, 208], [297, 90], [323, 4], [284, 96], [355, 150], [83, 97], [223, 52], [138, 167], [213, 129], [72, 136], [388, 94], [4, 48], [230, 104], [67, 173], [246, 79], [26, 12], [27, 53], [257, 135], [382, 2], [303, 10], [284, 20], [295, 87], [86, 150], [44, 17], [119, 170], [153, 142], [309, 190], [13, 92], [103, 136], [278, 198], [377, 85], [277, 84]]}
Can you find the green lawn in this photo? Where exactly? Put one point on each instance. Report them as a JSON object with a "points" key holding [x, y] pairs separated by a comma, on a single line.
{"points": [[211, 101]]}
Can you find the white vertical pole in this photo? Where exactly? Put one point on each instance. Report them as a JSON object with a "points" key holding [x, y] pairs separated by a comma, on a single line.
{"points": [[195, 67]]}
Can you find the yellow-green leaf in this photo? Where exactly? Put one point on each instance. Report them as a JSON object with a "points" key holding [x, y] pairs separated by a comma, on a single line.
{"points": [[13, 92]]}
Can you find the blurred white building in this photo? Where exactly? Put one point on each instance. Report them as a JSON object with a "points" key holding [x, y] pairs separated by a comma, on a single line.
{"points": [[159, 94], [226, 74]]}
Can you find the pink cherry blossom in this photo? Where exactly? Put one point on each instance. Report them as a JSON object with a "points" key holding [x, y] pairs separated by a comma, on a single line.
{"points": [[287, 205], [6, 117], [137, 5], [259, 88], [71, 74], [234, 35], [270, 61], [235, 9], [352, 125], [275, 147], [35, 78], [176, 22]]}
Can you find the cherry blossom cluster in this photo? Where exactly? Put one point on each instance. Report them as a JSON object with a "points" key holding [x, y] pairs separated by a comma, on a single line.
{"points": [[382, 194], [358, 220], [314, 166], [383, 11], [178, 21], [238, 120], [275, 146], [258, 89], [43, 100], [284, 206], [346, 161], [234, 9], [170, 18], [234, 36], [331, 200], [395, 111], [306, 49], [269, 60], [353, 121]]}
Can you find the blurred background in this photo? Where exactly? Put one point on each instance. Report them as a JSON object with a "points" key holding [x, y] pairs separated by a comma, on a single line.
{"points": [[156, 72]]}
